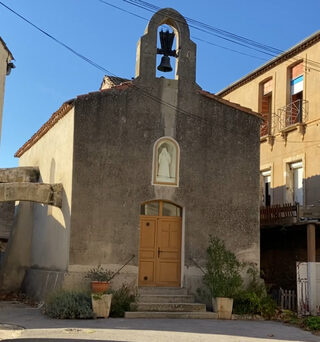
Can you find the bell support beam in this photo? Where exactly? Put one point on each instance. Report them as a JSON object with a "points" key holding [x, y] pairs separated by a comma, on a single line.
{"points": [[50, 194], [19, 174]]}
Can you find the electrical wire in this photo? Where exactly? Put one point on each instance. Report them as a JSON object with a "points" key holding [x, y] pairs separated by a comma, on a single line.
{"points": [[153, 8], [193, 37], [274, 51], [206, 31], [101, 68]]}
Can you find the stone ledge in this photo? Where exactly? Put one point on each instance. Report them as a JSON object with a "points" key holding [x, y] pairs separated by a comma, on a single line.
{"points": [[19, 174], [35, 192]]}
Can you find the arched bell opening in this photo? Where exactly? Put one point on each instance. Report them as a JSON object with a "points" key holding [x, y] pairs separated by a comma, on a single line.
{"points": [[147, 50], [167, 51]]}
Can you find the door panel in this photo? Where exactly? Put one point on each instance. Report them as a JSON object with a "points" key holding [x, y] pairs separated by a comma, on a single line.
{"points": [[160, 251], [147, 255], [169, 251]]}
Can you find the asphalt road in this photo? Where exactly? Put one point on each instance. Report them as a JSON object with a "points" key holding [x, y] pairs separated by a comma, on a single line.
{"points": [[23, 323]]}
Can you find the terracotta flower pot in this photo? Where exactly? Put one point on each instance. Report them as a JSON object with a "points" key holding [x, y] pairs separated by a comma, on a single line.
{"points": [[99, 286]]}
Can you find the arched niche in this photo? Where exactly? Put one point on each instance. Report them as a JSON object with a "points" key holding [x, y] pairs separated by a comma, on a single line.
{"points": [[166, 160]]}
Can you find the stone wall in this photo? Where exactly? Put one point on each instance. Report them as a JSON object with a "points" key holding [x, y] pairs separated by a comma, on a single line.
{"points": [[115, 132]]}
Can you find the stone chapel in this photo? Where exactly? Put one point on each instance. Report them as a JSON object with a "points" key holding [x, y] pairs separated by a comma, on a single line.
{"points": [[141, 170]]}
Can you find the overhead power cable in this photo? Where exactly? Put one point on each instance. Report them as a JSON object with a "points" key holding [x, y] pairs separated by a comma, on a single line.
{"points": [[193, 37], [106, 71], [205, 28], [269, 50]]}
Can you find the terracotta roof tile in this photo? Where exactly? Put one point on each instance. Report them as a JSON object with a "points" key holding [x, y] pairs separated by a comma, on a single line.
{"points": [[111, 81]]}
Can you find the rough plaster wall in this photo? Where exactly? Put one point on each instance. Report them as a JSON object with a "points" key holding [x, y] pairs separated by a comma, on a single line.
{"points": [[6, 219], [3, 71], [115, 132], [53, 154], [17, 258]]}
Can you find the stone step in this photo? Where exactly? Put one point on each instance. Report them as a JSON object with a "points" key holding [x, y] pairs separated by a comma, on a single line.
{"points": [[181, 315], [165, 298], [148, 290], [166, 307]]}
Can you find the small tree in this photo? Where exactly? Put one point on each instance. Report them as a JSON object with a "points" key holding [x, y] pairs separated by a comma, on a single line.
{"points": [[222, 274]]}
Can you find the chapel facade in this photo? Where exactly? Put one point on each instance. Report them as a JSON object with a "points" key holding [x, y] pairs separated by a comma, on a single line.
{"points": [[150, 168]]}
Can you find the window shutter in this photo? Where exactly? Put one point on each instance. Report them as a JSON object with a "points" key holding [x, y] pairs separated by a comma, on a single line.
{"points": [[267, 87], [297, 71]]}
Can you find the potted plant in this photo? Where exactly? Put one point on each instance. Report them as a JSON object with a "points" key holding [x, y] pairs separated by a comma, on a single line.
{"points": [[100, 278], [222, 277]]}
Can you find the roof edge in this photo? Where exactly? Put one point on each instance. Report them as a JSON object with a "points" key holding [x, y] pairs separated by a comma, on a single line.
{"points": [[230, 104], [55, 117], [60, 113], [6, 48], [304, 44]]}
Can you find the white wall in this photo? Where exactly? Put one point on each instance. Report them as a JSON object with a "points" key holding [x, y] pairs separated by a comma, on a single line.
{"points": [[53, 154]]}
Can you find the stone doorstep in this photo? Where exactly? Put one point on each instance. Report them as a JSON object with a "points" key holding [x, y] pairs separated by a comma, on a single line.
{"points": [[168, 307], [188, 315], [165, 299], [162, 291], [171, 314]]}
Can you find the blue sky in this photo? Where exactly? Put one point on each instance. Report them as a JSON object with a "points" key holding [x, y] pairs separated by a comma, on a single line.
{"points": [[46, 74]]}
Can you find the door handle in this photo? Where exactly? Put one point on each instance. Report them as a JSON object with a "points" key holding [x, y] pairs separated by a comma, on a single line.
{"points": [[159, 252]]}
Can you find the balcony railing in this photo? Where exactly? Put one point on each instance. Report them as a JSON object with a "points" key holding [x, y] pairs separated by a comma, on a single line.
{"points": [[294, 113], [279, 214], [267, 127]]}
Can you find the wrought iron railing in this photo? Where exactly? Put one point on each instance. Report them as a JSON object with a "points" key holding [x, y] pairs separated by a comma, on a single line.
{"points": [[278, 212], [293, 113], [268, 126]]}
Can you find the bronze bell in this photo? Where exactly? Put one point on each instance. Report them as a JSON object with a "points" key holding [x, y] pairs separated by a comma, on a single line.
{"points": [[165, 65]]}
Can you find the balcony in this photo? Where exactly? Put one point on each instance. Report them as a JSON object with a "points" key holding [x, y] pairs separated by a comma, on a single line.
{"points": [[293, 114], [279, 214], [288, 214]]}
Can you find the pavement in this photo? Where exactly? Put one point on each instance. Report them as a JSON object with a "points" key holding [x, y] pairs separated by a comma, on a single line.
{"points": [[20, 322]]}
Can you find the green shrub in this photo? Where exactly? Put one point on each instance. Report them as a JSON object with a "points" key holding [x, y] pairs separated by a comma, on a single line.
{"points": [[69, 305], [99, 274], [121, 300], [312, 322], [222, 272], [254, 299]]}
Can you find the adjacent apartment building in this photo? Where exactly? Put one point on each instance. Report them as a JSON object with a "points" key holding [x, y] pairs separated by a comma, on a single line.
{"points": [[286, 91]]}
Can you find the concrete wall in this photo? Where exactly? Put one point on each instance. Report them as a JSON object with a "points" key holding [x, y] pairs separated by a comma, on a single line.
{"points": [[6, 219], [53, 154], [293, 146], [4, 59], [115, 132], [17, 258]]}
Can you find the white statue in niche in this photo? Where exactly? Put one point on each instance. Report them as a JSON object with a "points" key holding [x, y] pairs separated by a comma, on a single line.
{"points": [[166, 162]]}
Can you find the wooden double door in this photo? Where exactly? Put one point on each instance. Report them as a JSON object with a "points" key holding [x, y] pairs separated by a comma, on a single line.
{"points": [[160, 250]]}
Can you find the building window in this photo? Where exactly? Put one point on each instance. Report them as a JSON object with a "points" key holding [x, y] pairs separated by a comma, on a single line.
{"points": [[295, 182], [265, 106], [266, 188], [294, 114]]}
